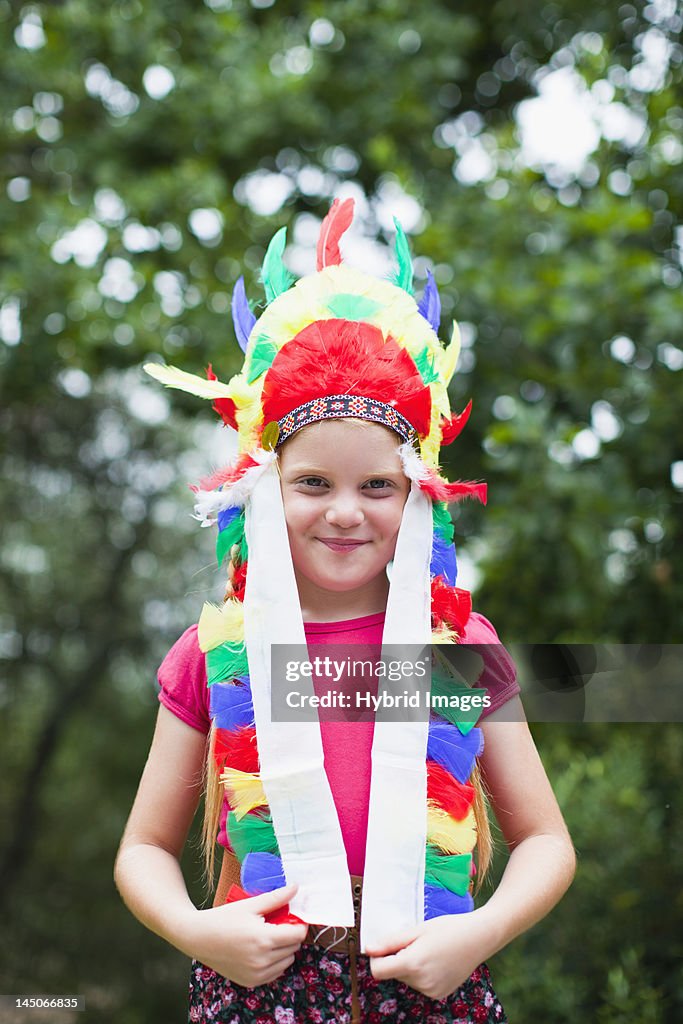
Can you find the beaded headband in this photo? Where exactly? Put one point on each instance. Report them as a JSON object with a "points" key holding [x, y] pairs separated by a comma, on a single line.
{"points": [[339, 407]]}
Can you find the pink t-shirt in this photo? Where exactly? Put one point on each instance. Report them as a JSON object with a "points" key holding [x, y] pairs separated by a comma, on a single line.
{"points": [[346, 745]]}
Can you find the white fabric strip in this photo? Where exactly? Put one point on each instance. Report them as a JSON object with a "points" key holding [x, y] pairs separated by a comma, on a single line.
{"points": [[291, 753], [393, 883]]}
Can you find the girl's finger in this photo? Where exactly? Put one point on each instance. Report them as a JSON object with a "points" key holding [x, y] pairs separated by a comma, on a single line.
{"points": [[283, 936], [269, 901], [397, 943], [384, 967], [278, 968]]}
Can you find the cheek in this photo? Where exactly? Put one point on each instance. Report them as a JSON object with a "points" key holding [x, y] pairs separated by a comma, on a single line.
{"points": [[299, 512], [391, 522]]}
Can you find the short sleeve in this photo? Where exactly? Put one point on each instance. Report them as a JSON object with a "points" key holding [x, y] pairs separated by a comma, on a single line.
{"points": [[182, 681], [500, 674]]}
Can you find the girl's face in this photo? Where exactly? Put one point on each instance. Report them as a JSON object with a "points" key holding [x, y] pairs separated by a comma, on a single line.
{"points": [[344, 490]]}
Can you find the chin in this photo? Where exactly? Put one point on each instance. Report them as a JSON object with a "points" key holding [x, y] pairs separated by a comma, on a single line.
{"points": [[337, 586]]}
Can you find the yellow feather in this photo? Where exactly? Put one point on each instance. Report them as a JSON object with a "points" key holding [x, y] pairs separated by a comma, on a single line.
{"points": [[440, 400], [249, 420], [449, 835], [220, 625], [249, 415], [443, 635], [429, 449], [245, 791], [449, 355], [242, 392], [172, 377]]}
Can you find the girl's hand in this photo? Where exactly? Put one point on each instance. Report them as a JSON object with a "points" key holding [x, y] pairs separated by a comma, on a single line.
{"points": [[435, 957], [236, 941]]}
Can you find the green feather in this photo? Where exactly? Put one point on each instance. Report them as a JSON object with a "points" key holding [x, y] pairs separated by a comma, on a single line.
{"points": [[426, 366], [404, 275], [447, 687], [443, 524], [232, 534], [450, 871], [261, 357], [274, 274], [227, 661], [352, 307], [254, 833]]}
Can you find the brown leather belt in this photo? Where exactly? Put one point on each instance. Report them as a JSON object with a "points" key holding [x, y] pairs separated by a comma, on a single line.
{"points": [[335, 939]]}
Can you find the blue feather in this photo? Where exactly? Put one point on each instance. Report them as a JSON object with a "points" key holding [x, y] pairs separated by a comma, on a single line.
{"points": [[430, 303], [262, 872], [242, 316], [227, 516], [440, 901], [231, 705], [443, 560], [456, 753]]}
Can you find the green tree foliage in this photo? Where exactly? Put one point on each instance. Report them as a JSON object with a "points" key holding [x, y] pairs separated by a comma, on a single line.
{"points": [[149, 151]]}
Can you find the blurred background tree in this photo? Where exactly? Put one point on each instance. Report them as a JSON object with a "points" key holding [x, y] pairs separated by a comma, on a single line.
{"points": [[149, 151]]}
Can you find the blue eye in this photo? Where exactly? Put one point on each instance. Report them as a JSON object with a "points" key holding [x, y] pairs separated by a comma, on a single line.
{"points": [[378, 485]]}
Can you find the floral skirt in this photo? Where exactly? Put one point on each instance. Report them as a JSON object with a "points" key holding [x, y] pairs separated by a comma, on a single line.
{"points": [[317, 989]]}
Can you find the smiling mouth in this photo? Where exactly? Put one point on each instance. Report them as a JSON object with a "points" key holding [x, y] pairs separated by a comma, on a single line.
{"points": [[336, 544]]}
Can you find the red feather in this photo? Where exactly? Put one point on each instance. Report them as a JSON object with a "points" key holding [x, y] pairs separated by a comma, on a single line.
{"points": [[239, 581], [446, 792], [345, 357], [227, 410], [454, 426], [236, 749], [451, 606], [279, 916], [228, 475], [332, 228], [439, 489], [225, 407]]}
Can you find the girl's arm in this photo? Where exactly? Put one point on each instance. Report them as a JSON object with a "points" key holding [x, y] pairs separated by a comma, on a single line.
{"points": [[233, 939], [542, 859], [439, 955]]}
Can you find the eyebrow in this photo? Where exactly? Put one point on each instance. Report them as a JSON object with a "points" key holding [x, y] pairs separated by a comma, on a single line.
{"points": [[310, 469]]}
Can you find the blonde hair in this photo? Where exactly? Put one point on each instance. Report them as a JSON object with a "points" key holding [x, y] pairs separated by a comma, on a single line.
{"points": [[213, 790]]}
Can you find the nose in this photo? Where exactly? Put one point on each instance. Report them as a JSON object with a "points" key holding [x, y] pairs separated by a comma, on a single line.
{"points": [[344, 512]]}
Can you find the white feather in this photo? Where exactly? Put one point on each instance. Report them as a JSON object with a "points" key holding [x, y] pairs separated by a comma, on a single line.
{"points": [[209, 503], [413, 466]]}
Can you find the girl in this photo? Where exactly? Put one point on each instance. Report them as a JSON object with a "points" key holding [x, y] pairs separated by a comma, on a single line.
{"points": [[350, 841]]}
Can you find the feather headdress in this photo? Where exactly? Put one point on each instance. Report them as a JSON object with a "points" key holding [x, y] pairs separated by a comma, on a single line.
{"points": [[339, 332]]}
